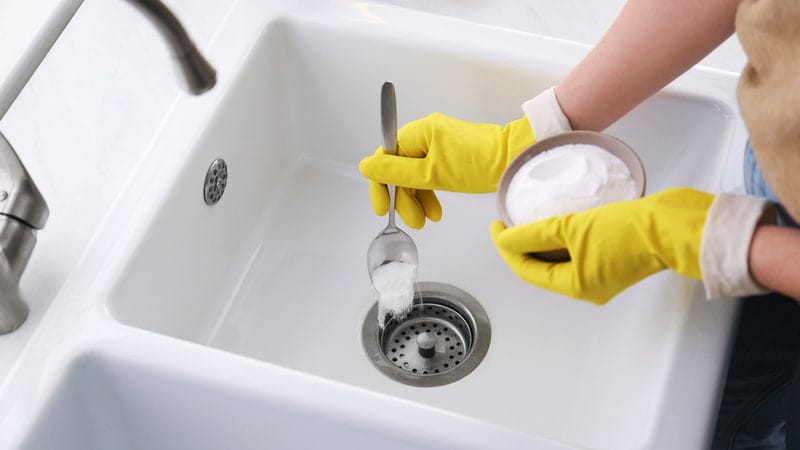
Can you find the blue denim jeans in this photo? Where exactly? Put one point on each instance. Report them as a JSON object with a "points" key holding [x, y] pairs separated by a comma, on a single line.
{"points": [[760, 392]]}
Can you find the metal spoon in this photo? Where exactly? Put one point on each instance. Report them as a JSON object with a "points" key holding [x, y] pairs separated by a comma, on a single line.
{"points": [[391, 244]]}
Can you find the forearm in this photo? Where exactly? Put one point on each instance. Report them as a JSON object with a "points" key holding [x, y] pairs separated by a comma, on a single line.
{"points": [[774, 259], [649, 44]]}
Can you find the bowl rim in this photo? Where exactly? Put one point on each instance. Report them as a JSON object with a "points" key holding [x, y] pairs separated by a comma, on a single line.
{"points": [[610, 143]]}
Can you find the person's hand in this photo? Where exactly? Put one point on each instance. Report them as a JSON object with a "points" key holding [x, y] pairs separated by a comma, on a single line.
{"points": [[614, 246], [439, 152], [443, 153]]}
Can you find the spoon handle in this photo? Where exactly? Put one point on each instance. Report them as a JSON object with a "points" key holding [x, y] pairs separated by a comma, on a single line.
{"points": [[389, 128]]}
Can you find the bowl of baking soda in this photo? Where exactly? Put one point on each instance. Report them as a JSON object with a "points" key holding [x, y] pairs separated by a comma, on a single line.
{"points": [[567, 173]]}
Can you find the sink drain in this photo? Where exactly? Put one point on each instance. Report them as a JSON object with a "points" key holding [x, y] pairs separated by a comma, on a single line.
{"points": [[442, 339]]}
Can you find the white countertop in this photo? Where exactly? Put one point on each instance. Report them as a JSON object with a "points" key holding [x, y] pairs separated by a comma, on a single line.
{"points": [[29, 29]]}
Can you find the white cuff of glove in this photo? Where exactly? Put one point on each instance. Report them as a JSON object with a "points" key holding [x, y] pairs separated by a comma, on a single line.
{"points": [[729, 228], [545, 115]]}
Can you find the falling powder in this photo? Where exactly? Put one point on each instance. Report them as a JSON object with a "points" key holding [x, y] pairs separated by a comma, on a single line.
{"points": [[567, 179], [395, 285]]}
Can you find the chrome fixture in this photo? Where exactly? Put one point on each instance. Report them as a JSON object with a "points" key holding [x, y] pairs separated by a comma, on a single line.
{"points": [[216, 180], [23, 209], [443, 338], [22, 212]]}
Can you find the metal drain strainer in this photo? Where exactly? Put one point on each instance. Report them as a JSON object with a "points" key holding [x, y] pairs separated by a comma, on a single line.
{"points": [[441, 340]]}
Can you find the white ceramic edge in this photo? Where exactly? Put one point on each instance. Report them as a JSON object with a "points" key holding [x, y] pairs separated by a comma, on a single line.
{"points": [[90, 328]]}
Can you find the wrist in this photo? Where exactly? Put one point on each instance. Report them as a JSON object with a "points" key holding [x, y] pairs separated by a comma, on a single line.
{"points": [[545, 115], [774, 257], [727, 235]]}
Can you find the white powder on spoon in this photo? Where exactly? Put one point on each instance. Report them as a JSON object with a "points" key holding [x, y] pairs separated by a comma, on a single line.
{"points": [[567, 179], [395, 285]]}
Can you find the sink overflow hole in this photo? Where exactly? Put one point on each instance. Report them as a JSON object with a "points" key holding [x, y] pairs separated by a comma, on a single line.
{"points": [[216, 180]]}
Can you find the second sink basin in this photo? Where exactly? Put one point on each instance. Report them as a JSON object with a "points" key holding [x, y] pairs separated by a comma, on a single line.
{"points": [[108, 402]]}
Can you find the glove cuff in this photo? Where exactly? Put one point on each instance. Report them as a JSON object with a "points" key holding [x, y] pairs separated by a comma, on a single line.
{"points": [[729, 228], [545, 115]]}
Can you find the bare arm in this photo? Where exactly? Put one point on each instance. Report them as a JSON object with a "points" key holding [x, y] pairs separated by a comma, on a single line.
{"points": [[774, 259], [650, 44]]}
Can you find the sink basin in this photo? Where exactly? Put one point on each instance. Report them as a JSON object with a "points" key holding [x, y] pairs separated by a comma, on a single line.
{"points": [[106, 401], [275, 273], [102, 403]]}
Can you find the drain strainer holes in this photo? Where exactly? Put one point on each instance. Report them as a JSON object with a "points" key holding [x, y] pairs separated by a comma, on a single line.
{"points": [[441, 340], [430, 344]]}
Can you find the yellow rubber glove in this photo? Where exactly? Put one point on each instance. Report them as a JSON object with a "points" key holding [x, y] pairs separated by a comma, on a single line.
{"points": [[611, 247], [442, 153]]}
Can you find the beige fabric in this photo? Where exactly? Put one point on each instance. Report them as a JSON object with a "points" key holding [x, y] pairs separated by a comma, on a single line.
{"points": [[769, 92], [725, 246], [545, 115]]}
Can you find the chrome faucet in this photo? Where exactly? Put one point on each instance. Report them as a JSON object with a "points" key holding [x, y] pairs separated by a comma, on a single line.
{"points": [[23, 209], [22, 212]]}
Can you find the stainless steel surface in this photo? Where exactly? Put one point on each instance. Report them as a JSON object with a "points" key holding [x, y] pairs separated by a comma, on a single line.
{"points": [[23, 209], [21, 198], [17, 240], [444, 319], [392, 244], [607, 142], [389, 118], [216, 180], [426, 342], [200, 76]]}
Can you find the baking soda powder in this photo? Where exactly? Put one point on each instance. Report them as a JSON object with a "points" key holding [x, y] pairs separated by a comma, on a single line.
{"points": [[395, 285], [567, 179]]}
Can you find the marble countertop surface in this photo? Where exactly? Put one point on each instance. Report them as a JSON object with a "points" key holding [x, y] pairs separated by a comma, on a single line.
{"points": [[582, 21], [29, 29]]}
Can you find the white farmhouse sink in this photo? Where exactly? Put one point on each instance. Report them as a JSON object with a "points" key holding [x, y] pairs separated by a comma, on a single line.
{"points": [[275, 273], [108, 402]]}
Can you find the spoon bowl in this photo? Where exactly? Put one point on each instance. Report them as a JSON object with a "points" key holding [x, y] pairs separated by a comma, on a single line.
{"points": [[391, 245]]}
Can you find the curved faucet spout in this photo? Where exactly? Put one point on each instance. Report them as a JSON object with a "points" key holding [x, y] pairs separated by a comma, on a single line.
{"points": [[200, 76]]}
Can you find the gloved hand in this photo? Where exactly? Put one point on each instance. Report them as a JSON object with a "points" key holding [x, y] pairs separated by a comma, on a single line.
{"points": [[440, 152], [616, 245]]}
